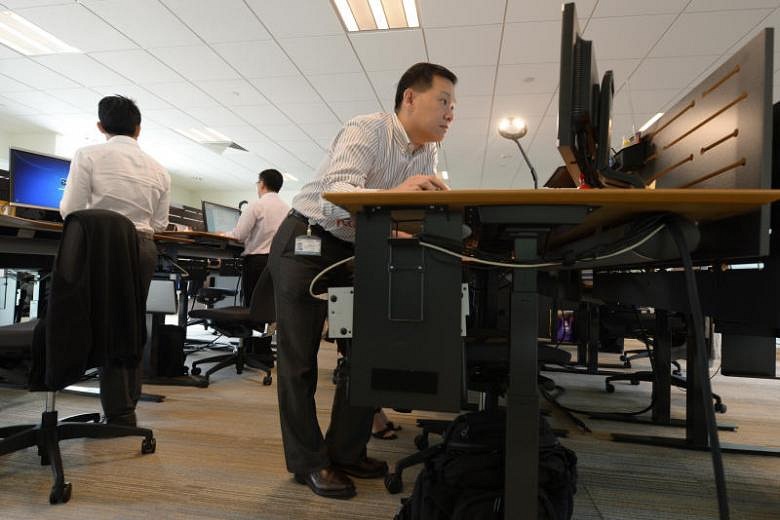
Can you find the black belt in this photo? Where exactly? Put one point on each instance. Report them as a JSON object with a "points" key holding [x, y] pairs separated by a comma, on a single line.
{"points": [[316, 228]]}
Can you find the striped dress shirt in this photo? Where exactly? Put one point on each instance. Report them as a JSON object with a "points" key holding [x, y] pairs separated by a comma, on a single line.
{"points": [[371, 152]]}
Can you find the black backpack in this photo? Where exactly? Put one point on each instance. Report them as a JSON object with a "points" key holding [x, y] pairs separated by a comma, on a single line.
{"points": [[463, 477]]}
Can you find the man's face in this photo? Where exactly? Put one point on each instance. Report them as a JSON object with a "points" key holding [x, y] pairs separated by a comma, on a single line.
{"points": [[260, 188], [431, 111]]}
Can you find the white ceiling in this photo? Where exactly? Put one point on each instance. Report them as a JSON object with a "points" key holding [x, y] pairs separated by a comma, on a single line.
{"points": [[279, 77]]}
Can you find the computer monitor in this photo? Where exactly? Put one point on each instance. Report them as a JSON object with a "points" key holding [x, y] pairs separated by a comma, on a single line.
{"points": [[578, 102], [218, 218], [37, 180]]}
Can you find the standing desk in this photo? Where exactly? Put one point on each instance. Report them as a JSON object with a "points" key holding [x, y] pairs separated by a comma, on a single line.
{"points": [[406, 347]]}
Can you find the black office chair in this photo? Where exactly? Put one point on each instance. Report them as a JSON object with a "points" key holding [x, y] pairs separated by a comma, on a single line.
{"points": [[72, 336], [241, 322]]}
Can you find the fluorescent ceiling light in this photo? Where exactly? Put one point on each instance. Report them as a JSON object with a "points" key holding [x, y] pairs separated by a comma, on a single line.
{"points": [[204, 135], [27, 38], [651, 121], [371, 15], [290, 177]]}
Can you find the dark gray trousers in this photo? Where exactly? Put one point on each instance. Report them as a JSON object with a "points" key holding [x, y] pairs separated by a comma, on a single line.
{"points": [[300, 319], [120, 387]]}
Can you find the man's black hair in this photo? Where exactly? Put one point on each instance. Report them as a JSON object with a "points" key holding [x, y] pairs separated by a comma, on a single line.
{"points": [[119, 115], [272, 179], [419, 77]]}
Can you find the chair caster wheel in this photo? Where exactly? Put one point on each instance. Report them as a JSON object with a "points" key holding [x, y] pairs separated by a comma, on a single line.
{"points": [[720, 407], [195, 371], [393, 483], [634, 382], [421, 441], [267, 380], [60, 494], [610, 388], [148, 446]]}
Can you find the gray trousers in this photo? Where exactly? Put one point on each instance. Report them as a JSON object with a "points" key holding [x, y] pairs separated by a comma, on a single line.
{"points": [[299, 320], [120, 386]]}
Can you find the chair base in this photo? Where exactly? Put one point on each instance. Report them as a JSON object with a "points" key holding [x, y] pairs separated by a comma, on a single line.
{"points": [[649, 377], [239, 358], [50, 431]]}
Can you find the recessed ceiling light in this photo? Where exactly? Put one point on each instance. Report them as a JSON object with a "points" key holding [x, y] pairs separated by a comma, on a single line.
{"points": [[27, 38], [372, 15]]}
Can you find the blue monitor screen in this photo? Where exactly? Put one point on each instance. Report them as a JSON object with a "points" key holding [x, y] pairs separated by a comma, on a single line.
{"points": [[37, 180]]}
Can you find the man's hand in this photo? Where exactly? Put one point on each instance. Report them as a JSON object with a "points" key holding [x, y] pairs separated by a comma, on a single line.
{"points": [[421, 183]]}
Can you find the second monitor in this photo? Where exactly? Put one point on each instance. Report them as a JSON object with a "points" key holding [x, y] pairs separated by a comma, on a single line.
{"points": [[218, 218]]}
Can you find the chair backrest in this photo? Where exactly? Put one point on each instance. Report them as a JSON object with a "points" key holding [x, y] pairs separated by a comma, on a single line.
{"points": [[262, 308], [95, 312]]}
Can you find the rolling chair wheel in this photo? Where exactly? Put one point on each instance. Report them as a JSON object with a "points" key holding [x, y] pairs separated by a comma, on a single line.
{"points": [[393, 483], [267, 380], [635, 382], [610, 388], [148, 446], [60, 494], [195, 371], [421, 442], [720, 407]]}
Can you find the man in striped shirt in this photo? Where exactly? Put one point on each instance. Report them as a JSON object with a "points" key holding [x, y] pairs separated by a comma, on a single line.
{"points": [[394, 151]]}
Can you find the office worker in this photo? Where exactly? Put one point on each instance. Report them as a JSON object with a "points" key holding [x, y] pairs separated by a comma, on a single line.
{"points": [[394, 151], [118, 176], [257, 226]]}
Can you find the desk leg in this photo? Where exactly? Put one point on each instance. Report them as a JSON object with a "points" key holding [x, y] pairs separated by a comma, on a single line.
{"points": [[522, 411], [183, 301]]}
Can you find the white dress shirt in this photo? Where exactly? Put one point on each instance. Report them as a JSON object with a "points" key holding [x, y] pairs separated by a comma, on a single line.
{"points": [[258, 223], [371, 152], [118, 176]]}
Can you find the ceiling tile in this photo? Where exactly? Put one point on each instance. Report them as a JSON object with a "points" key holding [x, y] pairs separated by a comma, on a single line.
{"points": [[242, 134], [10, 106], [305, 113], [524, 11], [718, 5], [90, 72], [146, 22], [445, 13], [322, 54], [18, 4], [474, 81], [215, 116], [81, 98], [262, 115], [143, 98], [8, 84], [256, 59], [717, 32], [285, 89], [281, 133], [612, 8], [173, 118], [389, 50], [223, 21], [343, 87], [628, 36], [5, 53], [233, 92], [293, 18], [77, 26], [385, 83], [467, 107], [529, 78], [673, 72], [468, 46], [138, 65], [195, 62], [531, 42], [326, 131], [349, 109], [622, 70], [181, 94], [42, 102], [31, 73], [524, 105]]}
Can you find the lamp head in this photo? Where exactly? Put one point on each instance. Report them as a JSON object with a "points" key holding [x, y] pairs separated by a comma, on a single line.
{"points": [[512, 128]]}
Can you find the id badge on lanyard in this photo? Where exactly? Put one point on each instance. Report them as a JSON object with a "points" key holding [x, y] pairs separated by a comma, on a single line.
{"points": [[308, 245]]}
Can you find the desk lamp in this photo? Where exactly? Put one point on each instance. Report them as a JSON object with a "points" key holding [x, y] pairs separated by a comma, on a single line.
{"points": [[514, 128]]}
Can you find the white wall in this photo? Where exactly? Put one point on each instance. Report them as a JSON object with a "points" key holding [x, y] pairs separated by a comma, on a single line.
{"points": [[183, 195], [40, 142], [233, 197]]}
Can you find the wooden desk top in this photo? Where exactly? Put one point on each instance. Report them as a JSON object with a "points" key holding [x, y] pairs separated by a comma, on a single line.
{"points": [[25, 223]]}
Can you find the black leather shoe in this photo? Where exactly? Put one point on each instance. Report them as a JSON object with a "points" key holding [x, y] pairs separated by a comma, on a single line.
{"points": [[364, 468], [328, 482]]}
